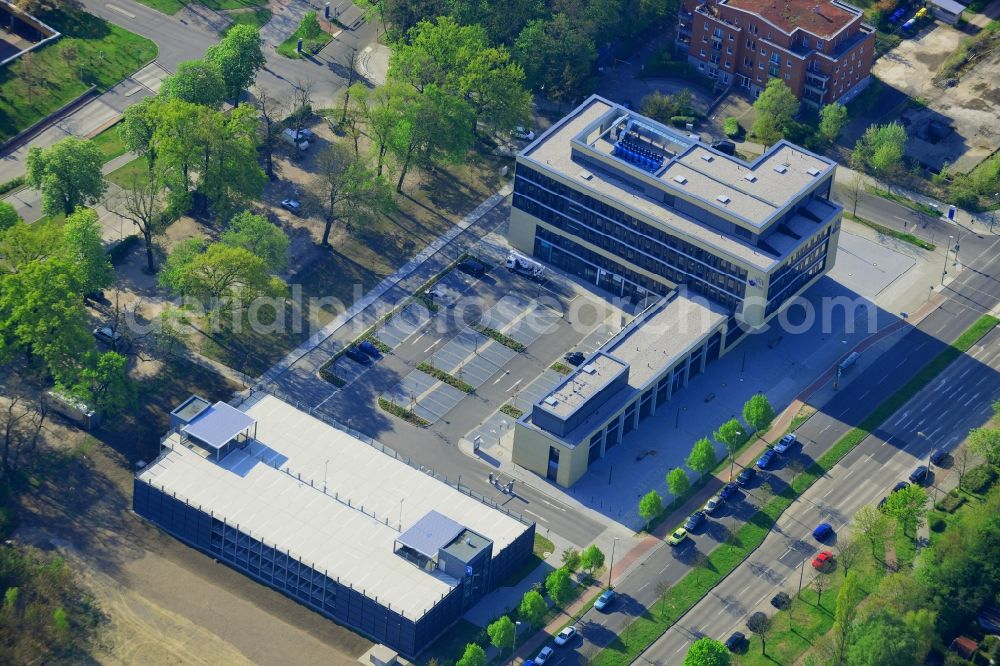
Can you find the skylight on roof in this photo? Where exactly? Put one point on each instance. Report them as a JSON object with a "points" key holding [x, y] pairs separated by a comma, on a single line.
{"points": [[813, 171], [707, 157], [781, 168], [750, 177], [551, 402], [680, 180], [723, 199]]}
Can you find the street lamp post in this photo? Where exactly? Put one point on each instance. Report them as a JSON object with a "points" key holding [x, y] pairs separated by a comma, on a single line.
{"points": [[732, 458], [513, 651], [611, 567], [947, 249]]}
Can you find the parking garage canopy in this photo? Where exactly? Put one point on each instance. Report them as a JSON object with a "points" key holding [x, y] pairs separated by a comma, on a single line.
{"points": [[218, 425], [431, 533]]}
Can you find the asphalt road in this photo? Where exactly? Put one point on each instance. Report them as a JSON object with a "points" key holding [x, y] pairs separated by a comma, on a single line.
{"points": [[972, 293]]}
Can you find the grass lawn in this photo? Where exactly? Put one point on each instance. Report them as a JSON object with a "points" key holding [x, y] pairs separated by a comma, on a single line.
{"points": [[888, 231], [122, 176], [173, 6], [309, 46], [105, 54], [255, 17], [109, 142]]}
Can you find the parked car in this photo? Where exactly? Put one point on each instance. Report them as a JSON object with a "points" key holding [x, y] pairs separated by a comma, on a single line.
{"points": [[822, 531], [368, 347], [523, 134], [765, 460], [724, 146], [713, 504], [895, 489], [473, 267], [358, 356], [679, 535], [566, 635], [293, 139], [735, 641], [781, 600], [746, 476], [574, 358], [938, 456], [307, 134], [544, 655], [605, 599], [822, 560], [728, 491], [785, 443], [919, 475], [435, 292], [694, 520], [291, 205], [107, 335]]}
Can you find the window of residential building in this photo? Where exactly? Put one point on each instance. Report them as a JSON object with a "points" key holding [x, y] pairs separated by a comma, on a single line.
{"points": [[717, 32], [776, 58], [715, 58], [763, 51], [747, 62], [732, 36], [759, 79], [729, 50], [805, 42], [774, 71], [703, 53], [704, 39], [788, 77], [761, 64], [728, 64]]}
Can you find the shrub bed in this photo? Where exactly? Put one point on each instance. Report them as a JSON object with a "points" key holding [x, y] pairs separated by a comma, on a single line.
{"points": [[979, 479], [403, 413], [512, 411], [950, 502], [443, 376], [506, 341]]}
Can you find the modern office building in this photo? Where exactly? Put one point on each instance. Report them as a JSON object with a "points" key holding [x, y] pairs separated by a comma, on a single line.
{"points": [[821, 48], [329, 520], [641, 210]]}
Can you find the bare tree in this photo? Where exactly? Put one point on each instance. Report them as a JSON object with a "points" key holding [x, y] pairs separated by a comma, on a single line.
{"points": [[272, 110], [848, 552], [21, 428], [822, 584], [142, 204], [961, 459], [350, 62], [853, 190], [347, 188], [302, 92], [662, 587], [70, 55], [764, 494]]}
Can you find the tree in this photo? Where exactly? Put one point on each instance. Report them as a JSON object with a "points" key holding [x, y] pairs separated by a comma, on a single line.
{"points": [[557, 55], [881, 150], [822, 583], [68, 174], [848, 552], [650, 506], [350, 63], [104, 383], [137, 126], [662, 107], [29, 74], [900, 592], [702, 456], [854, 189], [383, 111], [571, 559], [558, 585], [707, 652], [592, 558], [239, 57], [908, 506], [677, 482], [230, 177], [532, 608], [832, 119], [730, 434], [473, 656], [874, 525], [84, 248], [272, 110], [850, 595], [776, 110], [196, 82], [960, 462], [502, 634], [758, 413], [921, 624], [347, 188], [8, 216], [985, 442], [309, 27], [760, 624], [881, 639], [261, 238], [141, 202]]}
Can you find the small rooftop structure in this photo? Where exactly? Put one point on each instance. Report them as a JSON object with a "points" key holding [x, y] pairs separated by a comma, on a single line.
{"points": [[430, 534], [218, 426], [964, 647], [947, 10], [824, 18]]}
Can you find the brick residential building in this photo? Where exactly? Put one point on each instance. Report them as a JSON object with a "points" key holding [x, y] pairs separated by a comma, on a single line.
{"points": [[821, 48]]}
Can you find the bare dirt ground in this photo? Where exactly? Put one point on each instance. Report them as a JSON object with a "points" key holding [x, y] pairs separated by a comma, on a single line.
{"points": [[164, 603], [969, 107]]}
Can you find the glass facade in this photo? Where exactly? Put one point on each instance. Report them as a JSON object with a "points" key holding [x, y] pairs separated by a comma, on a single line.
{"points": [[803, 265]]}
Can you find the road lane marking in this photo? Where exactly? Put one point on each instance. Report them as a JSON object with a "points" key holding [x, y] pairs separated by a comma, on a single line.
{"points": [[972, 399], [961, 376], [901, 417], [417, 339], [120, 11], [642, 588]]}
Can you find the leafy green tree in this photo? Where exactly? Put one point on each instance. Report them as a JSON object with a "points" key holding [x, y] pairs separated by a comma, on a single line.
{"points": [[263, 239], [309, 27], [702, 456], [239, 57], [873, 524], [68, 174], [985, 442], [230, 175], [384, 110], [677, 481], [501, 20], [181, 132], [776, 110], [760, 624], [707, 652], [557, 56], [650, 506], [104, 383], [196, 82], [84, 248], [592, 558], [730, 434], [832, 119], [881, 150], [909, 507], [137, 126], [571, 559], [172, 275], [347, 188], [473, 656], [532, 608], [881, 639], [921, 624], [502, 634], [143, 203], [8, 216], [758, 413], [848, 597], [559, 586]]}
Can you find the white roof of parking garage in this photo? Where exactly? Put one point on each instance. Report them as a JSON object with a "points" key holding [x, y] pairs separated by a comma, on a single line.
{"points": [[273, 490]]}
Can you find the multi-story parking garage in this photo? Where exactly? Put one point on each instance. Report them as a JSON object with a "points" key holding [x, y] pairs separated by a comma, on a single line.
{"points": [[640, 209]]}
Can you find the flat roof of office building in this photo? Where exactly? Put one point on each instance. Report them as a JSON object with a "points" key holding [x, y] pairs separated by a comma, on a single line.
{"points": [[779, 175], [582, 384], [273, 489]]}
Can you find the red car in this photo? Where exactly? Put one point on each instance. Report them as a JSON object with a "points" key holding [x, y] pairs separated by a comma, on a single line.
{"points": [[822, 560]]}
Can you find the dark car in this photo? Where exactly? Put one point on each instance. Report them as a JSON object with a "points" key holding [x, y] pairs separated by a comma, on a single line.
{"points": [[938, 456], [358, 356], [574, 357], [899, 486], [728, 490], [919, 475], [746, 476], [727, 147], [781, 600], [368, 347], [473, 267], [735, 641], [822, 531], [694, 520], [765, 460]]}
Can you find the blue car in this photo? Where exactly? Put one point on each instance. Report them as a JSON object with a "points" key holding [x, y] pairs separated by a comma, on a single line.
{"points": [[822, 531], [728, 490], [368, 347], [765, 460], [604, 600]]}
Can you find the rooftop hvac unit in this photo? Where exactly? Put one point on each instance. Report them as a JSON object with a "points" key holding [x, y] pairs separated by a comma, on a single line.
{"points": [[707, 157], [551, 402], [680, 179], [589, 369], [723, 199], [750, 178], [812, 172], [781, 168]]}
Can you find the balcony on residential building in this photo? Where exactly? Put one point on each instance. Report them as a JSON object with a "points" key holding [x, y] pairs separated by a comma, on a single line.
{"points": [[819, 87]]}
